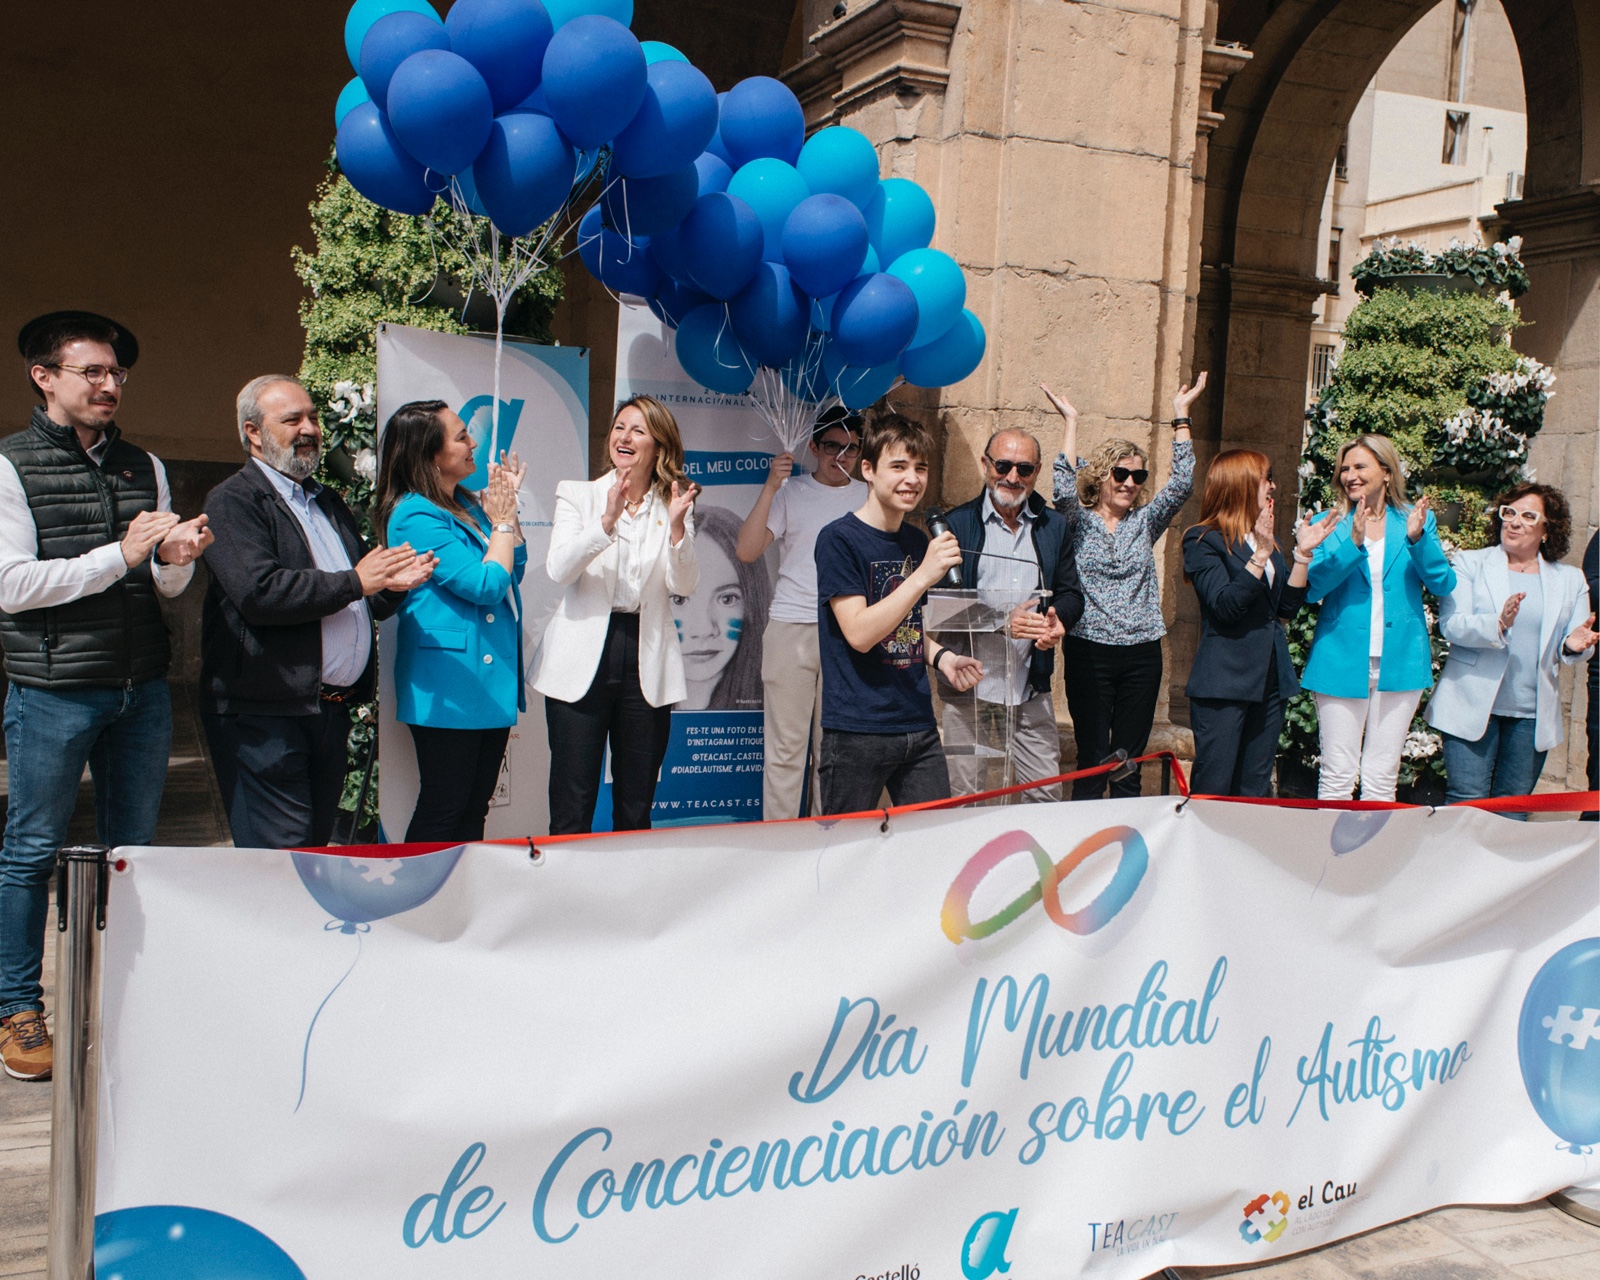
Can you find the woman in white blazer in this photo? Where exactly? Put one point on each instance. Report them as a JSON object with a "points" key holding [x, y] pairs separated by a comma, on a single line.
{"points": [[1516, 614], [609, 666]]}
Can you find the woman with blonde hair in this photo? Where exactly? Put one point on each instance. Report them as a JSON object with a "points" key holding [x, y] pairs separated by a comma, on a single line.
{"points": [[1371, 656], [610, 665], [1111, 660]]}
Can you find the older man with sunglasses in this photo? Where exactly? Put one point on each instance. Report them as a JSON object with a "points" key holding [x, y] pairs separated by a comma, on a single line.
{"points": [[1014, 543]]}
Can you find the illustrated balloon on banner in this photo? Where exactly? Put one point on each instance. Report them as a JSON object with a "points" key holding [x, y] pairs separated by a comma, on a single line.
{"points": [[440, 109], [1558, 1044], [675, 120], [564, 11], [649, 206], [594, 78], [371, 157], [770, 316], [840, 161], [710, 354], [622, 265], [390, 41], [873, 320], [176, 1242], [773, 189], [825, 244], [350, 97], [658, 51], [524, 173], [1354, 828], [939, 287], [761, 117], [948, 358], [363, 13], [505, 41], [721, 241], [856, 387], [899, 218], [674, 301]]}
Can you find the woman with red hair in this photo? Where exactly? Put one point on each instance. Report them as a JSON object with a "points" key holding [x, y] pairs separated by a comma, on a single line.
{"points": [[1242, 676]]}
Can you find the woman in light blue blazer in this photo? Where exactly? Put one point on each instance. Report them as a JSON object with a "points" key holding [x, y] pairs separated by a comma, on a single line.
{"points": [[458, 658], [1371, 657], [1515, 616]]}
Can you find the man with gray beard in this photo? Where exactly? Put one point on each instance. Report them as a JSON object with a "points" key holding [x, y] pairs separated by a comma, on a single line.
{"points": [[287, 641]]}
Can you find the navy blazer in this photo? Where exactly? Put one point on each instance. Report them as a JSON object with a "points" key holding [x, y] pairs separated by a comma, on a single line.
{"points": [[1239, 627], [1059, 574]]}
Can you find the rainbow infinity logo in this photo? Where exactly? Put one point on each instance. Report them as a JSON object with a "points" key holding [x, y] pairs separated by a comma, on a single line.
{"points": [[956, 918]]}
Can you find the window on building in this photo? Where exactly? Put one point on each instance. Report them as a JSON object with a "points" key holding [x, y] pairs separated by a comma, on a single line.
{"points": [[1455, 84], [1455, 137], [1334, 239], [1341, 162], [1322, 355]]}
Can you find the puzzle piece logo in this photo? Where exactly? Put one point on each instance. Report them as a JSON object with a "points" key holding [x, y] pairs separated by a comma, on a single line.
{"points": [[376, 870], [1265, 1218], [1576, 1028]]}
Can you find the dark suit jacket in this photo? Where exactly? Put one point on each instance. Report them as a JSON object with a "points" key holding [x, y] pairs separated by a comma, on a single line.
{"points": [[1059, 573], [261, 628], [1239, 627]]}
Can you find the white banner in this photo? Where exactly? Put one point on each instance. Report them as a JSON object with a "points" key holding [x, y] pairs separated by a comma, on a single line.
{"points": [[1051, 1040], [544, 416]]}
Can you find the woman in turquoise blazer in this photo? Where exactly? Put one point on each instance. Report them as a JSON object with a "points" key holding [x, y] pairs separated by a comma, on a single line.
{"points": [[1371, 657], [458, 657]]}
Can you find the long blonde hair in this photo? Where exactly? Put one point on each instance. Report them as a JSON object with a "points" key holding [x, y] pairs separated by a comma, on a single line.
{"points": [[1394, 488], [663, 428], [1098, 466]]}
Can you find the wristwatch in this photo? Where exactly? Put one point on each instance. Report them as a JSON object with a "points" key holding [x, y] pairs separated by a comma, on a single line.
{"points": [[505, 528]]}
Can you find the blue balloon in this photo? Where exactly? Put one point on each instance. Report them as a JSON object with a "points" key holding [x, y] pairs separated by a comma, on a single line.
{"points": [[822, 308], [710, 354], [649, 206], [363, 13], [505, 40], [467, 184], [622, 265], [673, 124], [594, 78], [949, 358], [899, 218], [524, 173], [770, 316], [666, 251], [939, 287], [713, 173], [177, 1242], [762, 117], [824, 244], [358, 891], [721, 240], [841, 162], [564, 11], [656, 51], [1354, 828], [873, 320], [773, 189], [440, 109], [715, 146], [390, 41], [856, 387], [1558, 1044], [377, 165], [350, 97], [676, 301]]}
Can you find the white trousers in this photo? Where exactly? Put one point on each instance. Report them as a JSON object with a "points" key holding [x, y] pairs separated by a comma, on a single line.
{"points": [[791, 685], [1363, 737], [1035, 745]]}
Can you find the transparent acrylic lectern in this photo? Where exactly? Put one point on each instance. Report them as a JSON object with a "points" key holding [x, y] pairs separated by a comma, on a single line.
{"points": [[978, 726]]}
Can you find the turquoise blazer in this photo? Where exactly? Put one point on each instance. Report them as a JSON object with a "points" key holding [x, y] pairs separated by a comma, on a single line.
{"points": [[1340, 581], [458, 660]]}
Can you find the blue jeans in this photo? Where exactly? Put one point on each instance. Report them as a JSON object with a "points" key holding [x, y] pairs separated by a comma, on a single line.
{"points": [[124, 736], [1501, 763]]}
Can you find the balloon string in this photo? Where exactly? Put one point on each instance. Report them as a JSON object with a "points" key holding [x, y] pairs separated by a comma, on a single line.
{"points": [[305, 1052]]}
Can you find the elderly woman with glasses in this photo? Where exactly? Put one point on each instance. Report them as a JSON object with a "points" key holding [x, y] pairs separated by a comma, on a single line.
{"points": [[1111, 658], [1515, 616]]}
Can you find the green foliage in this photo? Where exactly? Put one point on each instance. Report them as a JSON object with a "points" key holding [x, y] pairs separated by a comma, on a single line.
{"points": [[1494, 267]]}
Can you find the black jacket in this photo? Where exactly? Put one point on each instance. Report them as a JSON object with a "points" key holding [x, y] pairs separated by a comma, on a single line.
{"points": [[1059, 575], [1239, 628], [261, 631]]}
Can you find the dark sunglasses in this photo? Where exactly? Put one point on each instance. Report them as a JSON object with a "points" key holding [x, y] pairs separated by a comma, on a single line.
{"points": [[1121, 475], [1002, 466]]}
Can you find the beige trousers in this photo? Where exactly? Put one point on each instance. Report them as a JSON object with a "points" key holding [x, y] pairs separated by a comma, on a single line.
{"points": [[791, 683], [1035, 746]]}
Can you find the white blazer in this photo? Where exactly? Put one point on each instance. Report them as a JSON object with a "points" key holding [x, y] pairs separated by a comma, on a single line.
{"points": [[583, 559], [1469, 618]]}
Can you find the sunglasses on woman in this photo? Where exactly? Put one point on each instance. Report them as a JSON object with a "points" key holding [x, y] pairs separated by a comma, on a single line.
{"points": [[1002, 466], [1509, 515], [1122, 475]]}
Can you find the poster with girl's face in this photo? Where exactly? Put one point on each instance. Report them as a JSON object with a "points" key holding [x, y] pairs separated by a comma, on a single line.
{"points": [[721, 625]]}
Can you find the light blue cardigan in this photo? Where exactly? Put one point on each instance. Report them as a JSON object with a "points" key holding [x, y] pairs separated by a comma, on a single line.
{"points": [[458, 661], [1339, 579]]}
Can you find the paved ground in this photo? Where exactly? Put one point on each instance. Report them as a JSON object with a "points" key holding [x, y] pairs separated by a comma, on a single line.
{"points": [[1523, 1242]]}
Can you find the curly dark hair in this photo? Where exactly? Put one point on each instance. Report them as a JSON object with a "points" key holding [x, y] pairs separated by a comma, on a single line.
{"points": [[1557, 517]]}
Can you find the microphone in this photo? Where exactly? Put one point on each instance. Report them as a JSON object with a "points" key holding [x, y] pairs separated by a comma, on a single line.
{"points": [[938, 526]]}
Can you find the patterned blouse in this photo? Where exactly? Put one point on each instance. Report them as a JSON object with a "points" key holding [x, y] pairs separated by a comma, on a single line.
{"points": [[1122, 602]]}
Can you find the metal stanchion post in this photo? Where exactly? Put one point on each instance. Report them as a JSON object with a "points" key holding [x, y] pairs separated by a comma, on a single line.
{"points": [[83, 874]]}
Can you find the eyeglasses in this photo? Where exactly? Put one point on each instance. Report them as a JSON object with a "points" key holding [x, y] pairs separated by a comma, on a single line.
{"points": [[1122, 475], [836, 449], [95, 373], [1510, 515], [1002, 466]]}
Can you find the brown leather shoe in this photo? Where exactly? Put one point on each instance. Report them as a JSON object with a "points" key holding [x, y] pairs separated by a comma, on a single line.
{"points": [[25, 1046]]}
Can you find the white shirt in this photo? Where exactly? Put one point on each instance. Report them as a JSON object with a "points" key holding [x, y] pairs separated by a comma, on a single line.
{"points": [[800, 509], [1008, 582], [1375, 570], [27, 582], [631, 565], [347, 634]]}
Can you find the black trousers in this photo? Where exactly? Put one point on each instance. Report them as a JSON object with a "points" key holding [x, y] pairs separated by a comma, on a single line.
{"points": [[1593, 726], [856, 767], [280, 776], [456, 771], [1235, 742], [1111, 694], [613, 710]]}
